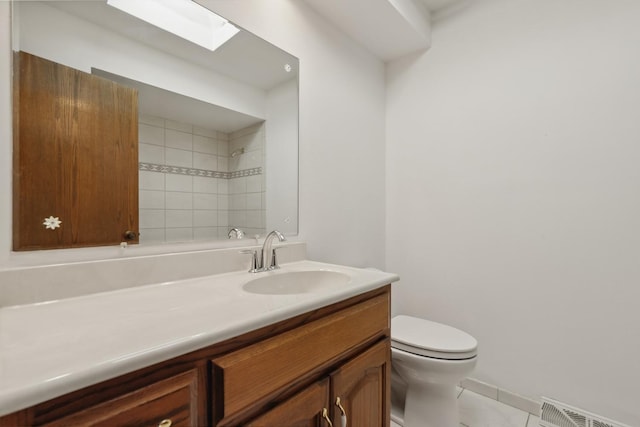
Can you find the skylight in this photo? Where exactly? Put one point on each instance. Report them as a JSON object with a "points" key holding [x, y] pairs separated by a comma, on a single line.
{"points": [[184, 18]]}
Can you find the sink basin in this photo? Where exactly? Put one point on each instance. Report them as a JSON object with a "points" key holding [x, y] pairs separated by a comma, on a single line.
{"points": [[296, 282]]}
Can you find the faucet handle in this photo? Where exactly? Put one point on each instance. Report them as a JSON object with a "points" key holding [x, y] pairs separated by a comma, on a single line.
{"points": [[253, 267], [274, 260], [235, 233]]}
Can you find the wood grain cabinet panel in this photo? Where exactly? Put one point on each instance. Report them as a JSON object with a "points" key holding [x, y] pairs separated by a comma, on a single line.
{"points": [[362, 385], [168, 403], [75, 157], [274, 363], [302, 410]]}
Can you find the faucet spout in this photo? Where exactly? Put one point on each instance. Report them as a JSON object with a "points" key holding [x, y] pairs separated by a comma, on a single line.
{"points": [[267, 251]]}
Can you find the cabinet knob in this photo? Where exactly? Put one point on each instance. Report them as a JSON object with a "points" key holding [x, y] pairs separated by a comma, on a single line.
{"points": [[165, 423], [131, 235], [325, 415]]}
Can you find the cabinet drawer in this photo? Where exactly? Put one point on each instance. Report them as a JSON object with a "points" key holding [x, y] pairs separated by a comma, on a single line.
{"points": [[246, 376], [302, 410], [171, 402]]}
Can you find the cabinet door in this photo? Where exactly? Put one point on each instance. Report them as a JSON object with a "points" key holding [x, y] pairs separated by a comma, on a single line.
{"points": [[363, 386], [302, 410], [75, 157], [169, 403]]}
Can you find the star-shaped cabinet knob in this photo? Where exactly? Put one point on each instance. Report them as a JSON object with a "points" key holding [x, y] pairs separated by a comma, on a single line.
{"points": [[52, 223]]}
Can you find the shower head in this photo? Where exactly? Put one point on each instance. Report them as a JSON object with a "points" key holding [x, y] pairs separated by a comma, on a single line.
{"points": [[237, 152]]}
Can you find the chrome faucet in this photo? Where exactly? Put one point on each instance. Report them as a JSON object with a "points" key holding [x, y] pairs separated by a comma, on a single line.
{"points": [[268, 258]]}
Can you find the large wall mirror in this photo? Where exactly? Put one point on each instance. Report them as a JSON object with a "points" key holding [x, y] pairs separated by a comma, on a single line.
{"points": [[217, 119]]}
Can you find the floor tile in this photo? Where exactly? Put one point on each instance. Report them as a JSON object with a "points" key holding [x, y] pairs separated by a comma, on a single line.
{"points": [[480, 411], [533, 421]]}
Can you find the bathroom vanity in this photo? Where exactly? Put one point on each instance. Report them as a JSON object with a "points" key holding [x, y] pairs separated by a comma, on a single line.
{"points": [[258, 359]]}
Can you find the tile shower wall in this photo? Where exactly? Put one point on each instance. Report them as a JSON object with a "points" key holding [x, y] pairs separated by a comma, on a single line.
{"points": [[247, 201], [185, 178]]}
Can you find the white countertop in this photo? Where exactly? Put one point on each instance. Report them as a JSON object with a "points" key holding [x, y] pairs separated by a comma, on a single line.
{"points": [[50, 349]]}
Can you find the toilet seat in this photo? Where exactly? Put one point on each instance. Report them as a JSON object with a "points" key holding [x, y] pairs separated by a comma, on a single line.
{"points": [[431, 339]]}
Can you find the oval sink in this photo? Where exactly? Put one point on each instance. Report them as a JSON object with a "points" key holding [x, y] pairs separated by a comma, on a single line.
{"points": [[296, 282]]}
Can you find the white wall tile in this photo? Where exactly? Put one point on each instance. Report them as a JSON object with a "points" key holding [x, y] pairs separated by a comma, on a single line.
{"points": [[150, 134], [223, 218], [179, 234], [205, 201], [179, 182], [149, 153], [254, 183], [238, 201], [205, 161], [238, 219], [151, 180], [179, 200], [223, 148], [151, 199], [223, 164], [151, 218], [205, 185], [238, 185], [152, 235], [205, 233], [202, 144], [254, 201], [204, 132], [183, 207], [223, 201], [205, 218], [182, 127], [223, 186], [150, 120], [180, 140], [179, 218], [176, 157]]}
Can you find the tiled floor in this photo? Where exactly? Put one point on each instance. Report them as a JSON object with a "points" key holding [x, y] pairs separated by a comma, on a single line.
{"points": [[480, 411]]}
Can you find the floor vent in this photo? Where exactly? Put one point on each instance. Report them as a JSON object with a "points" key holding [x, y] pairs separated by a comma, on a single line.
{"points": [[556, 414]]}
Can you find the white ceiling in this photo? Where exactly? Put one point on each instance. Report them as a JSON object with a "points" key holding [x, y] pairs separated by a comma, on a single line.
{"points": [[154, 101], [245, 58], [388, 28]]}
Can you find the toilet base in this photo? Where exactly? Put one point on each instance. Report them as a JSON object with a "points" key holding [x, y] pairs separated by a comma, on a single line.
{"points": [[431, 405]]}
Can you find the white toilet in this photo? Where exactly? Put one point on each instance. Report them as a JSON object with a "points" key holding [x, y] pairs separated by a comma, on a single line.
{"points": [[428, 360]]}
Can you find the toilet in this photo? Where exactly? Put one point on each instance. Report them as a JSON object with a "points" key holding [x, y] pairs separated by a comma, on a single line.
{"points": [[428, 360]]}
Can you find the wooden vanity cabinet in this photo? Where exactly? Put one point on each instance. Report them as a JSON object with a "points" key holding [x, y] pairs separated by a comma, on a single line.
{"points": [[322, 348], [168, 403], [361, 385], [283, 374]]}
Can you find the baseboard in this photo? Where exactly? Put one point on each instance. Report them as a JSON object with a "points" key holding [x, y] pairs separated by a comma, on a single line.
{"points": [[501, 395]]}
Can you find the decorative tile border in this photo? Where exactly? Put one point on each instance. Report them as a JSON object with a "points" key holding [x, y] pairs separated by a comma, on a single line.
{"points": [[179, 170]]}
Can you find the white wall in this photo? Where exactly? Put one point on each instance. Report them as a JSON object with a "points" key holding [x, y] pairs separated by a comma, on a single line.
{"points": [[513, 203], [341, 129], [341, 135], [281, 160]]}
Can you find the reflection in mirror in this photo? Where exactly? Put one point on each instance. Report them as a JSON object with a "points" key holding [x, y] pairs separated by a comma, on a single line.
{"points": [[218, 129]]}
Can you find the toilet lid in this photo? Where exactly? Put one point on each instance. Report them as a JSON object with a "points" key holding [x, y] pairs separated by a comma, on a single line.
{"points": [[431, 339]]}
